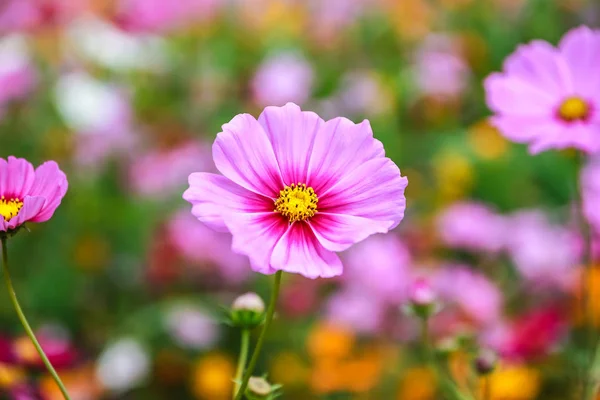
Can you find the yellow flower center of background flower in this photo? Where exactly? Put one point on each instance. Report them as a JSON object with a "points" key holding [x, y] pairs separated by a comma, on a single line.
{"points": [[574, 109], [9, 208], [297, 202]]}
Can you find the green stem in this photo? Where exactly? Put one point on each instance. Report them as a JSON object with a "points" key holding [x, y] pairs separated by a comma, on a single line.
{"points": [[487, 388], [15, 302], [591, 382], [261, 338], [242, 360]]}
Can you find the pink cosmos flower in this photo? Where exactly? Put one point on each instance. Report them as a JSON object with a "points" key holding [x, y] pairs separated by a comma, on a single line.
{"points": [[356, 310], [283, 78], [28, 195], [472, 226], [296, 189], [550, 97]]}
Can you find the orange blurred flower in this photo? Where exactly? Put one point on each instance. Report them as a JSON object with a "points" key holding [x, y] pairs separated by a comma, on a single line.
{"points": [[212, 377]]}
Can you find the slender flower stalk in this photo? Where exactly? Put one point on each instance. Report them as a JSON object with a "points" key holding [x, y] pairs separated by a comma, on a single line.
{"points": [[261, 338], [242, 360], [487, 388], [15, 302]]}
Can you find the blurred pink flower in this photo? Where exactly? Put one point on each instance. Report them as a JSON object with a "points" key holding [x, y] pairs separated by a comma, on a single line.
{"points": [[162, 171], [20, 15], [361, 93], [329, 18], [191, 327], [590, 186], [472, 226], [439, 67], [543, 253], [160, 15], [296, 189], [99, 113], [549, 97], [422, 293], [17, 75], [28, 195], [379, 266], [356, 310], [203, 246], [472, 292], [282, 78]]}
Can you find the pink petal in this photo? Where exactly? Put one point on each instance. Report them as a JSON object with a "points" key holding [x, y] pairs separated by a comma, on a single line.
{"points": [[523, 129], [300, 252], [32, 205], [338, 232], [18, 178], [375, 191], [541, 65], [579, 135], [340, 147], [580, 48], [244, 154], [292, 133], [510, 94], [51, 183], [214, 197], [255, 235]]}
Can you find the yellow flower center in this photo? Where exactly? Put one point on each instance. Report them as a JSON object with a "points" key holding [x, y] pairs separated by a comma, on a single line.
{"points": [[297, 202], [9, 208], [574, 109]]}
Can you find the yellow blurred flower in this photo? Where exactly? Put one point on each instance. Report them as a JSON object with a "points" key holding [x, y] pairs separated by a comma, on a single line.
{"points": [[454, 175], [417, 384], [357, 375], [288, 369], [10, 375], [486, 141], [514, 383], [413, 19], [329, 341], [212, 377]]}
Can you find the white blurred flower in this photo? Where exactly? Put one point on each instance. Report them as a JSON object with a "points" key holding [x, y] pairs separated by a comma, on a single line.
{"points": [[191, 327], [123, 365]]}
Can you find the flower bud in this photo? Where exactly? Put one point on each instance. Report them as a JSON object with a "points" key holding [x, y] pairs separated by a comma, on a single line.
{"points": [[485, 362], [423, 299], [247, 311], [261, 389]]}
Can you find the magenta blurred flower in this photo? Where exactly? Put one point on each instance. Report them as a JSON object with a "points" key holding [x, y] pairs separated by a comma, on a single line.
{"points": [[472, 226], [203, 246], [161, 16], [296, 189], [191, 327], [99, 113], [17, 75], [162, 171], [549, 97], [20, 15], [439, 67], [543, 253], [472, 292], [421, 292], [282, 78], [379, 266], [356, 310], [56, 343], [28, 195], [590, 186]]}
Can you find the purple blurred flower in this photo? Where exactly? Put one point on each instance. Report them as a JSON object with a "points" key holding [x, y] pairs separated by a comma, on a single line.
{"points": [[473, 293], [440, 70], [191, 327], [98, 112], [21, 15], [161, 172], [362, 93], [203, 246], [356, 310], [17, 75], [472, 226], [329, 18], [161, 16], [281, 78], [379, 267], [543, 253]]}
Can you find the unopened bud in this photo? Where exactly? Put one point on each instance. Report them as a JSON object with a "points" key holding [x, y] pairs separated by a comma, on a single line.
{"points": [[247, 311], [485, 362], [423, 299], [261, 389]]}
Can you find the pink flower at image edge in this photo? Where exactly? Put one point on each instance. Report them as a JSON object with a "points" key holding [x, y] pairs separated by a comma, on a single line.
{"points": [[28, 195], [297, 189]]}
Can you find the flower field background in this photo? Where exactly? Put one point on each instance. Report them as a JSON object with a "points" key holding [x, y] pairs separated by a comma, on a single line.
{"points": [[128, 292]]}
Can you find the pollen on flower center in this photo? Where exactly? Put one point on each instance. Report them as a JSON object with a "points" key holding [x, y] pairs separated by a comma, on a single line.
{"points": [[9, 208], [574, 109], [297, 202]]}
